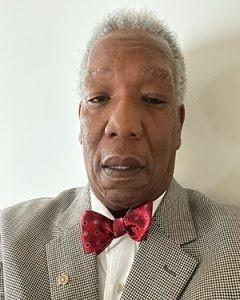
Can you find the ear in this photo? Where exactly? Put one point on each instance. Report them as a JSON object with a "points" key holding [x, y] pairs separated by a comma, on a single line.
{"points": [[79, 109], [181, 118], [79, 115]]}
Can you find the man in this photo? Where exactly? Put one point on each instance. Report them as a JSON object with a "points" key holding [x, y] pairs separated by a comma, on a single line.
{"points": [[134, 232]]}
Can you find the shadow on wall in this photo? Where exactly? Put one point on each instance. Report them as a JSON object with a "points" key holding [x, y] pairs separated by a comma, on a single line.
{"points": [[210, 157]]}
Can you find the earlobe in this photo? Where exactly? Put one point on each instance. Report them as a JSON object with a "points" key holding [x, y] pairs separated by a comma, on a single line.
{"points": [[181, 115], [181, 118], [79, 109], [80, 136]]}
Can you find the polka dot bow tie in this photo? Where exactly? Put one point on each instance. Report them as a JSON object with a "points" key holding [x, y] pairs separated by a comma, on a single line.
{"points": [[98, 231]]}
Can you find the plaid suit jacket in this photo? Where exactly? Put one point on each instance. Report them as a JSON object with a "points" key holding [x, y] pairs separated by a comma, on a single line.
{"points": [[192, 251]]}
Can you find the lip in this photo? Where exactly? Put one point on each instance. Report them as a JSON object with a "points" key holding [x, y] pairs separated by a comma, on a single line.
{"points": [[116, 160], [122, 167]]}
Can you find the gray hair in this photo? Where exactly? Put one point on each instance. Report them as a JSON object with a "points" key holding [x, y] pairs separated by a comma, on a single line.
{"points": [[145, 20]]}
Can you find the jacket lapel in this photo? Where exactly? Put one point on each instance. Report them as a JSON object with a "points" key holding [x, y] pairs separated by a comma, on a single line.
{"points": [[72, 273], [162, 269]]}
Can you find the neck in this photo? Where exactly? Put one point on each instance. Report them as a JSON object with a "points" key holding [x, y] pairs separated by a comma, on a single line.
{"points": [[118, 213]]}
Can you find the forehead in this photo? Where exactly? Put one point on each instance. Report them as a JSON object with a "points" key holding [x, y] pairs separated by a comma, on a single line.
{"points": [[129, 48], [125, 39]]}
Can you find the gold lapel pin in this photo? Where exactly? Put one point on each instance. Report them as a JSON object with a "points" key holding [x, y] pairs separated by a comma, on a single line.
{"points": [[62, 279]]}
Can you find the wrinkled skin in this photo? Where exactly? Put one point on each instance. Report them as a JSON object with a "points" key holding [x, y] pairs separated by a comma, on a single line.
{"points": [[130, 110]]}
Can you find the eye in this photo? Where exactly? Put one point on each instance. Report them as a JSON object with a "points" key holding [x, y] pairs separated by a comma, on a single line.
{"points": [[98, 99], [154, 101]]}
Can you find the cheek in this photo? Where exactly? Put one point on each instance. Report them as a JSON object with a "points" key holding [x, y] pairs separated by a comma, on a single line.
{"points": [[164, 139], [87, 127], [89, 141], [90, 136]]}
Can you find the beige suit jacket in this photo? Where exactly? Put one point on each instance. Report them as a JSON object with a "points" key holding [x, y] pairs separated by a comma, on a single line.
{"points": [[192, 251]]}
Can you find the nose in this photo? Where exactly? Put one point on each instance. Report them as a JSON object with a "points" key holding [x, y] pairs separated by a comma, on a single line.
{"points": [[125, 121]]}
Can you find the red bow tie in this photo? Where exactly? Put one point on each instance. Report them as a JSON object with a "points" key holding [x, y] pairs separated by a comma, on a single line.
{"points": [[98, 231]]}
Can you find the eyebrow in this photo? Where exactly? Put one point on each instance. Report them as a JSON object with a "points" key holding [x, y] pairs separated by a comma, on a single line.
{"points": [[158, 72], [91, 74], [155, 71]]}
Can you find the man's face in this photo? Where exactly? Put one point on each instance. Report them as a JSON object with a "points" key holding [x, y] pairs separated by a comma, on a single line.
{"points": [[130, 121]]}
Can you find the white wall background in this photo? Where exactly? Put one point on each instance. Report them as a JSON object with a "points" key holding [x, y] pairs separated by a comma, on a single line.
{"points": [[40, 49]]}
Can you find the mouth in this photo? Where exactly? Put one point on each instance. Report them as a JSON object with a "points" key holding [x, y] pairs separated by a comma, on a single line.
{"points": [[119, 167]]}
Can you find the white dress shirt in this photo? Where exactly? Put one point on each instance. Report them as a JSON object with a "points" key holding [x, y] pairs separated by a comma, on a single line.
{"points": [[114, 263]]}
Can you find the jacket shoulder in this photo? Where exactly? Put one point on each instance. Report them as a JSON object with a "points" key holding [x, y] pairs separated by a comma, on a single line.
{"points": [[206, 210], [39, 213], [41, 204]]}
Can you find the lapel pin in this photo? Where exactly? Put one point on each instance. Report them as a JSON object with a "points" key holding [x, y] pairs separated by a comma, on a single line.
{"points": [[62, 279]]}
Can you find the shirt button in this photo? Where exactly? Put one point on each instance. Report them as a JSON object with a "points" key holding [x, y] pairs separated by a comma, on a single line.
{"points": [[119, 288], [62, 279]]}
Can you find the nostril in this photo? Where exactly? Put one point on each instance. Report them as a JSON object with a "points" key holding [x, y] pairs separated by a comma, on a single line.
{"points": [[123, 128], [112, 134]]}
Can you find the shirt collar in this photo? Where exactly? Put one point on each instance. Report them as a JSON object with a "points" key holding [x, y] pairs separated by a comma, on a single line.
{"points": [[99, 207]]}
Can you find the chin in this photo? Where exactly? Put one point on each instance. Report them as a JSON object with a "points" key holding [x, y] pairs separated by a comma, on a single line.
{"points": [[124, 199]]}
